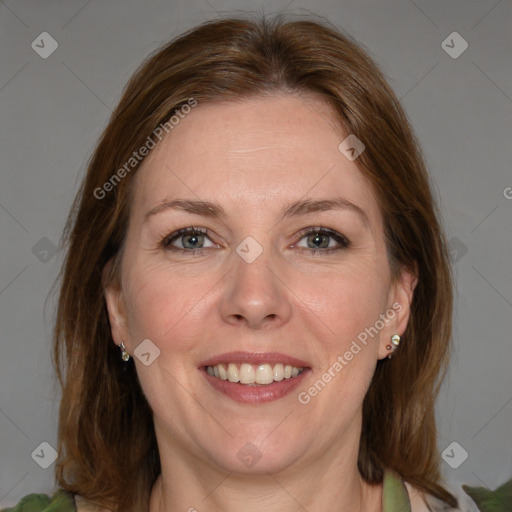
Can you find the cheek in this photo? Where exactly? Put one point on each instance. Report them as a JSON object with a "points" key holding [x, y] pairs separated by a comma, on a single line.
{"points": [[347, 300], [168, 305], [356, 299]]}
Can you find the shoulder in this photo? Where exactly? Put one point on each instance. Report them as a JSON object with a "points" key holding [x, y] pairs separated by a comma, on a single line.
{"points": [[491, 501], [423, 502], [83, 505], [60, 501], [417, 498], [471, 499]]}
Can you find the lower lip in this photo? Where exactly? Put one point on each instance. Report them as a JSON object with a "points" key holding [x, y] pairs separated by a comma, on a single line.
{"points": [[255, 394]]}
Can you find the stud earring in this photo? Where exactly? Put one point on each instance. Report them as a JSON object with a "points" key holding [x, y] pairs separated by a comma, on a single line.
{"points": [[395, 340], [124, 355]]}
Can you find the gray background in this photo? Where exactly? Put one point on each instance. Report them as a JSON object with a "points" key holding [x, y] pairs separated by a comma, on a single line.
{"points": [[53, 111]]}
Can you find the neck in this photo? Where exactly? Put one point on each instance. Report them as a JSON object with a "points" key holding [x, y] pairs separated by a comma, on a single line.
{"points": [[269, 493], [332, 482]]}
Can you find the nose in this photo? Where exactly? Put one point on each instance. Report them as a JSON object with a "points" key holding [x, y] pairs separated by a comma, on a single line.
{"points": [[255, 294]]}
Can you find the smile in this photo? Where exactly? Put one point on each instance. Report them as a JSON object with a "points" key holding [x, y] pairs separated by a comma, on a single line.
{"points": [[253, 375], [254, 378]]}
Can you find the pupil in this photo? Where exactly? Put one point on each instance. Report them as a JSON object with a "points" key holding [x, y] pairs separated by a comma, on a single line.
{"points": [[194, 238], [318, 239]]}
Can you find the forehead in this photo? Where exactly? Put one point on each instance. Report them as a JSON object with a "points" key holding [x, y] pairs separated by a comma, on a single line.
{"points": [[274, 149]]}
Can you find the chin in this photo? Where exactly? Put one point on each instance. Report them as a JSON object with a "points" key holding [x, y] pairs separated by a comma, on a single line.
{"points": [[260, 456]]}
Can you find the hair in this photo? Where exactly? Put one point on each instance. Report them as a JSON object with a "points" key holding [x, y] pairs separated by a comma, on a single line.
{"points": [[106, 441]]}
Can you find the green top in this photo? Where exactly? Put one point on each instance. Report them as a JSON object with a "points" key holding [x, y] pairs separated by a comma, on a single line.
{"points": [[61, 501], [395, 498]]}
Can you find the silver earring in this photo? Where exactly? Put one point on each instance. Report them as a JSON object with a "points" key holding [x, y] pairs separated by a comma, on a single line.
{"points": [[124, 355], [395, 340]]}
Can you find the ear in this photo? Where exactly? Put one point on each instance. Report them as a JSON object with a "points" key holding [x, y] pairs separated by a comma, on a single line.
{"points": [[399, 309], [115, 306]]}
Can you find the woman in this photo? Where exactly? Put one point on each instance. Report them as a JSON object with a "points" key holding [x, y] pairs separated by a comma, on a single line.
{"points": [[256, 302]]}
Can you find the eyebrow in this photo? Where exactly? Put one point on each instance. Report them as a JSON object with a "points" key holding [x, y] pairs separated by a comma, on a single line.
{"points": [[295, 209]]}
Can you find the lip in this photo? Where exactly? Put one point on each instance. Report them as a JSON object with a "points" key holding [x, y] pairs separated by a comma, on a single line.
{"points": [[255, 358], [255, 394]]}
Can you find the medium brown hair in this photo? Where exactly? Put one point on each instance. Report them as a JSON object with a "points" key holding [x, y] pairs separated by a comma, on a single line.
{"points": [[107, 446]]}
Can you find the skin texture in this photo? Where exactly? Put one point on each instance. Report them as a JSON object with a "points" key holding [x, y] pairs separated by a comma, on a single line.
{"points": [[254, 157]]}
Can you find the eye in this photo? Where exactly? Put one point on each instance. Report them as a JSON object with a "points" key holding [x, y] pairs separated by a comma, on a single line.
{"points": [[192, 240], [317, 240]]}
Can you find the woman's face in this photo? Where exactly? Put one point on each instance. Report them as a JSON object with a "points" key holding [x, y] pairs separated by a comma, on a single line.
{"points": [[251, 295]]}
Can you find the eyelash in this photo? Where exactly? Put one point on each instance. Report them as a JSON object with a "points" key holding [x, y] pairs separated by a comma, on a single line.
{"points": [[166, 241]]}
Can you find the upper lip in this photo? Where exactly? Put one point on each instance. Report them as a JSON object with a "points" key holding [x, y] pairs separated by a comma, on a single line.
{"points": [[255, 358]]}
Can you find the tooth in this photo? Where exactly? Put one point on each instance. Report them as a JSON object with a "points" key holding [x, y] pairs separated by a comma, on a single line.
{"points": [[233, 375], [247, 374], [223, 374], [251, 375], [264, 374], [278, 372]]}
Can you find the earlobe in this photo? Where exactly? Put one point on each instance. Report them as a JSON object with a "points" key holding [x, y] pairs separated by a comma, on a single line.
{"points": [[404, 296], [401, 298], [115, 306]]}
